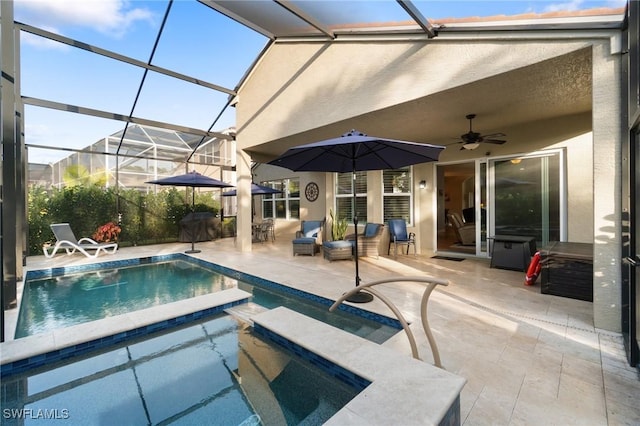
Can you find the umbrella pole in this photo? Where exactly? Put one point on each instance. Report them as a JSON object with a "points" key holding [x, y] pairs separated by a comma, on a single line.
{"points": [[193, 210], [359, 297]]}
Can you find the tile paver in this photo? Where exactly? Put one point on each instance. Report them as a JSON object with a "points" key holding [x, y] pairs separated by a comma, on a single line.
{"points": [[529, 358]]}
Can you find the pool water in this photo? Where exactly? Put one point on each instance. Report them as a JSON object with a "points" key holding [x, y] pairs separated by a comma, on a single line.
{"points": [[216, 371], [61, 301]]}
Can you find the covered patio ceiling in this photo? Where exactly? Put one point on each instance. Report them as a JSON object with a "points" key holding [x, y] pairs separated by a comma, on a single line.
{"points": [[511, 103]]}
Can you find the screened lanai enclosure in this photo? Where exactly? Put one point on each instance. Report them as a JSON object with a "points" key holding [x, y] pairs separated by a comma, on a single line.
{"points": [[131, 157], [98, 102], [109, 179], [117, 108]]}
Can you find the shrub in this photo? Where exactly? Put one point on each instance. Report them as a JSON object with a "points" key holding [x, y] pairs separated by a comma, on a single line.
{"points": [[143, 218]]}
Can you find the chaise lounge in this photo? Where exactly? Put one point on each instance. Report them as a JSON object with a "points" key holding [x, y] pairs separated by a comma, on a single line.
{"points": [[66, 240]]}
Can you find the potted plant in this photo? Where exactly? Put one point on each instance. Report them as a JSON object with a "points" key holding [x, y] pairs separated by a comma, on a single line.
{"points": [[338, 227]]}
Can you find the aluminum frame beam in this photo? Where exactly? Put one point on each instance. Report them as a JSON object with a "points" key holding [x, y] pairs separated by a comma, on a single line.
{"points": [[120, 117]]}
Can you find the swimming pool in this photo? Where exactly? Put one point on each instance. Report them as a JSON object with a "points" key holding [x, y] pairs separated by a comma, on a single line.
{"points": [[214, 369], [422, 392], [63, 300], [66, 296]]}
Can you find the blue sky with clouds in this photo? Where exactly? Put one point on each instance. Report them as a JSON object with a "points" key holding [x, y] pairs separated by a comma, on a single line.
{"points": [[197, 41]]}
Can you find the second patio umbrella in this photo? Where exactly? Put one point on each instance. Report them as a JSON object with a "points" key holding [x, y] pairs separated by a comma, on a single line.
{"points": [[353, 152], [193, 180], [255, 190]]}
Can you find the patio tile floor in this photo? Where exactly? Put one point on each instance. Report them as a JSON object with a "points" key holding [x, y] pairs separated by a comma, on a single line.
{"points": [[529, 358]]}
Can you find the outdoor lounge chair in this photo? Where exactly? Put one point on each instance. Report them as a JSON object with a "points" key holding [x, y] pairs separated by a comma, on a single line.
{"points": [[398, 235], [308, 238], [65, 239], [369, 240]]}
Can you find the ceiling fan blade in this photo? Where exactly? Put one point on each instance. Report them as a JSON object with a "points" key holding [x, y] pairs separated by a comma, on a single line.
{"points": [[494, 135], [471, 140]]}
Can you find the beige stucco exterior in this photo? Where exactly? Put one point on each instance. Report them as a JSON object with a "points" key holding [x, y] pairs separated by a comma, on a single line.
{"points": [[544, 91]]}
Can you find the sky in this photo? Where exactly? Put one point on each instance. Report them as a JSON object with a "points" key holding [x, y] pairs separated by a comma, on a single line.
{"points": [[196, 41]]}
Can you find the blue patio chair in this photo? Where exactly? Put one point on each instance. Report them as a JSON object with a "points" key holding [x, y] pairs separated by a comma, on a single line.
{"points": [[308, 238], [398, 235]]}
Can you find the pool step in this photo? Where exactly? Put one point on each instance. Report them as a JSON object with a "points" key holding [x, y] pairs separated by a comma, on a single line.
{"points": [[246, 311]]}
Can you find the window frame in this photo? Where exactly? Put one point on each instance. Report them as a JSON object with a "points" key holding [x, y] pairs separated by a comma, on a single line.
{"points": [[361, 178], [281, 197], [408, 192]]}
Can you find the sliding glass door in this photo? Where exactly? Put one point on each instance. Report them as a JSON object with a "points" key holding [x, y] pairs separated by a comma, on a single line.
{"points": [[526, 199], [523, 196]]}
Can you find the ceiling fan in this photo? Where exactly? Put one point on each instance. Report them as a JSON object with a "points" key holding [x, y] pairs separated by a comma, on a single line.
{"points": [[472, 140]]}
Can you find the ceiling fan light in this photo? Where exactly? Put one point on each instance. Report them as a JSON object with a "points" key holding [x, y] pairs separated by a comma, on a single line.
{"points": [[470, 146]]}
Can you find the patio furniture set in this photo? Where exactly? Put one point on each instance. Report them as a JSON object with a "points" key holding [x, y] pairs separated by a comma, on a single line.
{"points": [[263, 231], [308, 240]]}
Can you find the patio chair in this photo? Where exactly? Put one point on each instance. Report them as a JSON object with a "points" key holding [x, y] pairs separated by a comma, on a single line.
{"points": [[398, 235], [465, 232], [268, 227], [369, 240], [66, 240], [308, 238], [264, 231]]}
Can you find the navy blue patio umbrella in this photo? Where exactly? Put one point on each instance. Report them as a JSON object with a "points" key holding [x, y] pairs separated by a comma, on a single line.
{"points": [[353, 152], [194, 180], [255, 190]]}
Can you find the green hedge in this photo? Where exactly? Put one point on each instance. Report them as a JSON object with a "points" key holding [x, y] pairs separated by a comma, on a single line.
{"points": [[144, 218]]}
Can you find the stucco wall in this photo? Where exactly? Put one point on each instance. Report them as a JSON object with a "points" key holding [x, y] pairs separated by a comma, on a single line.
{"points": [[579, 151], [298, 87], [607, 136], [309, 210]]}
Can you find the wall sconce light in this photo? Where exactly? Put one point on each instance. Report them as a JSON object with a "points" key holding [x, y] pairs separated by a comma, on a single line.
{"points": [[423, 184]]}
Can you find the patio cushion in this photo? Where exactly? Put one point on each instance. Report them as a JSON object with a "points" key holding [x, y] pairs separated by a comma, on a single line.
{"points": [[311, 228], [304, 240], [337, 250], [337, 244], [370, 229]]}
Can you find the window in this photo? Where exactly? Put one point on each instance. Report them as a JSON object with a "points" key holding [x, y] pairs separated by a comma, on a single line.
{"points": [[344, 196], [397, 194], [283, 205]]}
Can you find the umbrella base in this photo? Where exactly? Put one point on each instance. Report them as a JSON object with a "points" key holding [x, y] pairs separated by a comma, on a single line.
{"points": [[192, 251], [360, 297]]}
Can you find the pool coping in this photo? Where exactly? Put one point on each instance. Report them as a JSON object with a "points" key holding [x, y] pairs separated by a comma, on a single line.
{"points": [[411, 392], [230, 272], [39, 349], [19, 355]]}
